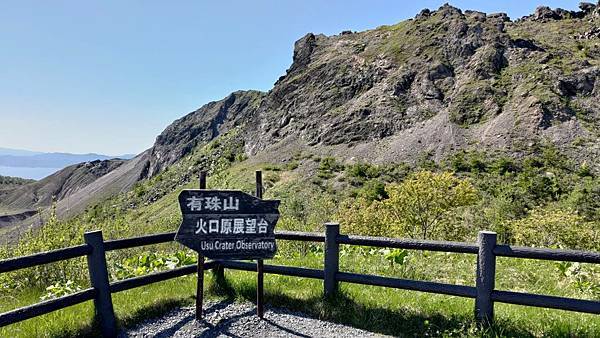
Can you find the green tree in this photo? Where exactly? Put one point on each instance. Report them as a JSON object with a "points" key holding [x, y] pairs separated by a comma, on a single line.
{"points": [[555, 228], [421, 202]]}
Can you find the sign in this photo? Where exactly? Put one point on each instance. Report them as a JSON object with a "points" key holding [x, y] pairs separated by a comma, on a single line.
{"points": [[227, 224]]}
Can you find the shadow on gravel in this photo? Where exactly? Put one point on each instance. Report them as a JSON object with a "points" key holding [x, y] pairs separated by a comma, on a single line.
{"points": [[285, 329], [212, 330], [342, 309], [339, 309], [155, 310]]}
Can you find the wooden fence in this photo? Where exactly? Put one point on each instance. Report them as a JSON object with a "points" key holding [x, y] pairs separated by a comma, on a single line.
{"points": [[483, 292]]}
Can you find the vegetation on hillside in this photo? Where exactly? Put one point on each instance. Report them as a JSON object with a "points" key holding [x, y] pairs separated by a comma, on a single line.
{"points": [[10, 182], [539, 200]]}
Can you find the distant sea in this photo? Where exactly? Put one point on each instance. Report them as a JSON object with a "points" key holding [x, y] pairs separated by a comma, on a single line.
{"points": [[33, 173]]}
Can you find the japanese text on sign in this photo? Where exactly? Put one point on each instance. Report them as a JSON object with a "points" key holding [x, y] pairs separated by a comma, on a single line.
{"points": [[226, 226], [213, 203]]}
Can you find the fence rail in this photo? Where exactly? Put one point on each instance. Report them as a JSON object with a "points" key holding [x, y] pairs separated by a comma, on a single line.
{"points": [[43, 258], [484, 292], [412, 244], [547, 254], [48, 306]]}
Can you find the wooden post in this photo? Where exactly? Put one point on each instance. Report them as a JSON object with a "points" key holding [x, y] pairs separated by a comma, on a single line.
{"points": [[98, 271], [200, 283], [259, 263], [486, 276], [332, 258]]}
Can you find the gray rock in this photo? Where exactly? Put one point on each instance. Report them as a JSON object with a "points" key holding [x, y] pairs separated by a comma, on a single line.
{"points": [[586, 7], [227, 319]]}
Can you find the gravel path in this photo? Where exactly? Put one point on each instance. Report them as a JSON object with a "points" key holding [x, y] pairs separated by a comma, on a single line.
{"points": [[229, 319]]}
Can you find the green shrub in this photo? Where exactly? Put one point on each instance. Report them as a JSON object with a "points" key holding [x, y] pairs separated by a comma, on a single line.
{"points": [[292, 165], [585, 199], [555, 228], [372, 190], [503, 165], [363, 171], [417, 207], [330, 164]]}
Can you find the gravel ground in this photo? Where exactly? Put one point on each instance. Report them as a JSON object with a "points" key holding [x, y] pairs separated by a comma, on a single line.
{"points": [[229, 319]]}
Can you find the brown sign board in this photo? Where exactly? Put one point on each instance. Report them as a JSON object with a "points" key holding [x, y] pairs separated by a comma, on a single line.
{"points": [[227, 224]]}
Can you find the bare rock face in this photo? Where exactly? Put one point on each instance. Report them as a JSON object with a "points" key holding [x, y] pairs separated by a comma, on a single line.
{"points": [[202, 125], [481, 74], [545, 13]]}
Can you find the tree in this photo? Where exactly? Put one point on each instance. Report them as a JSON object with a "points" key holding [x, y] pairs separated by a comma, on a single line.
{"points": [[421, 202], [549, 227]]}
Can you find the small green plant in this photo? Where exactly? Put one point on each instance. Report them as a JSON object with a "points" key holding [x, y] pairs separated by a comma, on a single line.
{"points": [[396, 256], [586, 280], [372, 190], [292, 165], [149, 262], [328, 166], [60, 289], [363, 171]]}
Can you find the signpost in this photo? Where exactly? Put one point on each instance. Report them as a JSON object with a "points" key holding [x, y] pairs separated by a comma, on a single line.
{"points": [[228, 224]]}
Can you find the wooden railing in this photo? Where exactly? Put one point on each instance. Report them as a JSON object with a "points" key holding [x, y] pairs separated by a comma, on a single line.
{"points": [[483, 292]]}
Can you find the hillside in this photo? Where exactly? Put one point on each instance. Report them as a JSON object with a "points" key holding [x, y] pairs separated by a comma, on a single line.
{"points": [[8, 182], [427, 87], [20, 202], [37, 165], [434, 128], [443, 81]]}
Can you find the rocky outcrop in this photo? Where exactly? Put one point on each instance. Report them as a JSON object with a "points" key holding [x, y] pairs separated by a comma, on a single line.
{"points": [[202, 125], [545, 13], [483, 74]]}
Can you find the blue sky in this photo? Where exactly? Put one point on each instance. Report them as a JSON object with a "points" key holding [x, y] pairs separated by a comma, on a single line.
{"points": [[108, 76]]}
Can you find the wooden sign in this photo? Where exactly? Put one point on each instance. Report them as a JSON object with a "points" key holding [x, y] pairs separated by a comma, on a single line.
{"points": [[227, 224]]}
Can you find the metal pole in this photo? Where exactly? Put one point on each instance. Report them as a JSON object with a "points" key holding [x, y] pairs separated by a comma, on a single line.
{"points": [[259, 263], [200, 284], [486, 276], [332, 258], [99, 281]]}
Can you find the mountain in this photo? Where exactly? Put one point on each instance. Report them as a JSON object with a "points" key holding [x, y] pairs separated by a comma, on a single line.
{"points": [[8, 182], [17, 152], [24, 159], [36, 165], [443, 81], [427, 87]]}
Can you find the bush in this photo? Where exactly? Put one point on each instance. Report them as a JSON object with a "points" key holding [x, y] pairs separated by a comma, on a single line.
{"points": [[328, 166], [421, 202], [372, 190], [363, 171], [585, 200], [361, 217], [415, 207], [555, 228], [504, 165]]}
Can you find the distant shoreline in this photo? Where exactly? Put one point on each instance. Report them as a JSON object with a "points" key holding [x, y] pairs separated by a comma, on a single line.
{"points": [[25, 172]]}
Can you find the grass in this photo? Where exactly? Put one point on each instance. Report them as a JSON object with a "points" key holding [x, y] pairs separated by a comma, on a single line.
{"points": [[383, 310], [305, 207], [130, 306]]}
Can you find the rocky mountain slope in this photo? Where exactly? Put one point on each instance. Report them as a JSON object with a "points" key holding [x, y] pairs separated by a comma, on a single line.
{"points": [[8, 182], [443, 81], [28, 198], [429, 86]]}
